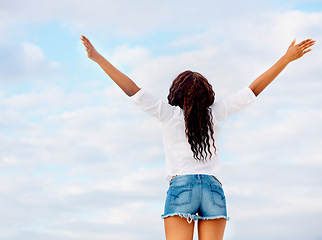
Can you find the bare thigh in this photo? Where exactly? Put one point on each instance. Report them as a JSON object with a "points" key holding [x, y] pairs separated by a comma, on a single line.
{"points": [[177, 228], [211, 229]]}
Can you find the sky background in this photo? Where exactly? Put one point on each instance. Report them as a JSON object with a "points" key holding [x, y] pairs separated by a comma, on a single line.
{"points": [[79, 161]]}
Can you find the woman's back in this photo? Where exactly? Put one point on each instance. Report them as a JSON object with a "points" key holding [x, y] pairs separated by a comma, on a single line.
{"points": [[179, 156]]}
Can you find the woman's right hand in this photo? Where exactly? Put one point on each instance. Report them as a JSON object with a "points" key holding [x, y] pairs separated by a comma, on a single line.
{"points": [[296, 51], [91, 51]]}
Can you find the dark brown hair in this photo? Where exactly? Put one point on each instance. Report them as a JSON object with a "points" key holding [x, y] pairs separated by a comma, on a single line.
{"points": [[194, 95]]}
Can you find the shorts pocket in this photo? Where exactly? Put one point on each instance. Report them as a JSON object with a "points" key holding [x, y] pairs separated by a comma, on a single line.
{"points": [[217, 195], [180, 194]]}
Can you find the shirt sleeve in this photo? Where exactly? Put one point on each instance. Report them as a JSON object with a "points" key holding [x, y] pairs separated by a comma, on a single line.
{"points": [[232, 104], [153, 106]]}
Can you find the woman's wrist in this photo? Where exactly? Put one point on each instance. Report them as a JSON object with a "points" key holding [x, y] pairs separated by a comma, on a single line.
{"points": [[285, 59], [99, 59]]}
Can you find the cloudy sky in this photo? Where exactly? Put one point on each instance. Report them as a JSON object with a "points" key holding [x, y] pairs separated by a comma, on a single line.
{"points": [[79, 161]]}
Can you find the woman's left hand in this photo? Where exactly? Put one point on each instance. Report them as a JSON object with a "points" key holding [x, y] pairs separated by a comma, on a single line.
{"points": [[91, 51]]}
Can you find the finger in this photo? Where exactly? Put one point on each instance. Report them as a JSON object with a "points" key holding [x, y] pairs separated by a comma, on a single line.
{"points": [[90, 44], [84, 39], [305, 42], [307, 45], [87, 42], [306, 51], [309, 42], [293, 43], [87, 48]]}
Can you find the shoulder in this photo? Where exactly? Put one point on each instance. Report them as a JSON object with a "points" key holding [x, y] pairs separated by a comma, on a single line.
{"points": [[233, 103], [152, 105]]}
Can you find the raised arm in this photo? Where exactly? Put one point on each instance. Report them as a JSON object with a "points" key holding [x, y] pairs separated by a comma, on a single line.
{"points": [[295, 51], [123, 81]]}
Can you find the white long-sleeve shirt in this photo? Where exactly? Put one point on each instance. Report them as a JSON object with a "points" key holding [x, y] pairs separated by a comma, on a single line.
{"points": [[179, 157]]}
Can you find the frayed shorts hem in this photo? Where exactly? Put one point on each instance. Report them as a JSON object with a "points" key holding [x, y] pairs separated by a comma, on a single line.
{"points": [[194, 217]]}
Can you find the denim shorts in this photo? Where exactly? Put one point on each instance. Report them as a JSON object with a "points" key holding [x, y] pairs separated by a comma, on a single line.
{"points": [[195, 197]]}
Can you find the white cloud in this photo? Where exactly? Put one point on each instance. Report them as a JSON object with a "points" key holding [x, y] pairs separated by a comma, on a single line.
{"points": [[49, 98], [278, 135], [265, 196], [124, 55], [26, 61]]}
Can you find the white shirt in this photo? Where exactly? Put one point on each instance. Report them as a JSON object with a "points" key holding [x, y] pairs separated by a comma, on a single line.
{"points": [[179, 157]]}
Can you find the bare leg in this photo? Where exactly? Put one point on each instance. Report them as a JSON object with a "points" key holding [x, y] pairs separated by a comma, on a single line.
{"points": [[177, 228], [211, 229]]}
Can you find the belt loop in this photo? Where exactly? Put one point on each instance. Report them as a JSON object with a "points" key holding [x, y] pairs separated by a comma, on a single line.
{"points": [[217, 180]]}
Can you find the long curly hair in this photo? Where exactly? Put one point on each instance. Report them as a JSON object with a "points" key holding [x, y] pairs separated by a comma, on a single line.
{"points": [[194, 95]]}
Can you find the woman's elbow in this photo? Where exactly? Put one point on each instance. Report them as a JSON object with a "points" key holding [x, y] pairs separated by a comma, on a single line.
{"points": [[132, 91]]}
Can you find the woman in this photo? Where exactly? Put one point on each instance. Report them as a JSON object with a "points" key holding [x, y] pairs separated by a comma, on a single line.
{"points": [[191, 126]]}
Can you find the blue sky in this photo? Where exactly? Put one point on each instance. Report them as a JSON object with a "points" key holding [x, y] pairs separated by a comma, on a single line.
{"points": [[79, 161]]}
